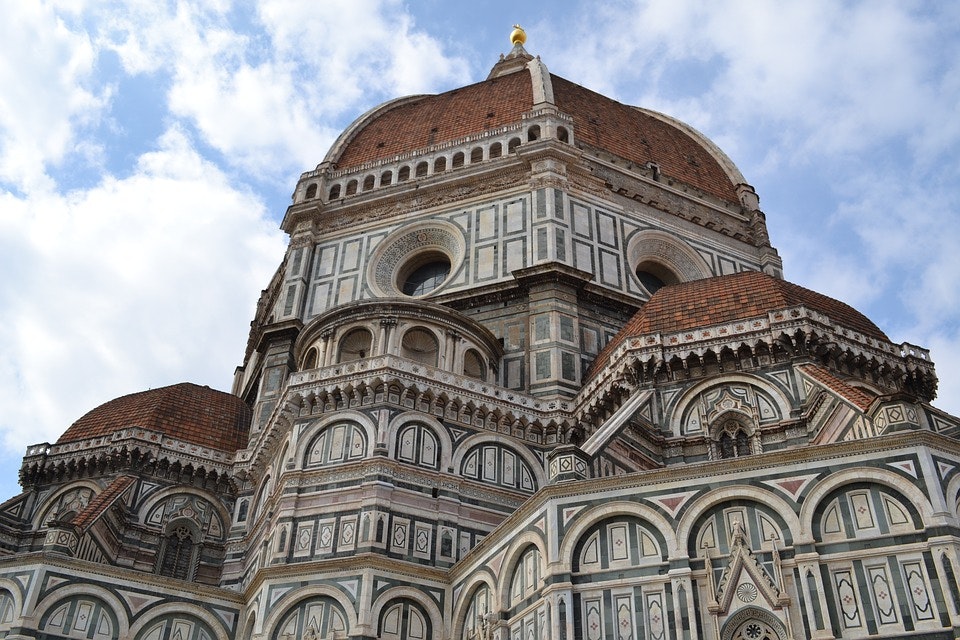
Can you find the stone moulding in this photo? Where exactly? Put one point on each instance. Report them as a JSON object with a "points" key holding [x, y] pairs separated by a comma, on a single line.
{"points": [[398, 471], [387, 369], [130, 446], [657, 349]]}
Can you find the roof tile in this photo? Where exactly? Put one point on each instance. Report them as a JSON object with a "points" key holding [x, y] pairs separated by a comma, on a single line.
{"points": [[724, 299], [857, 397], [598, 122], [198, 415], [99, 505]]}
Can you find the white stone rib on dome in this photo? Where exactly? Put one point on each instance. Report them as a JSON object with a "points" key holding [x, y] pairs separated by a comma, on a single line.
{"points": [[722, 159], [357, 125]]}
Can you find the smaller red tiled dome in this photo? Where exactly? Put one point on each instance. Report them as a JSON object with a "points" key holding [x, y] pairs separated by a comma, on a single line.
{"points": [[189, 412], [724, 299]]}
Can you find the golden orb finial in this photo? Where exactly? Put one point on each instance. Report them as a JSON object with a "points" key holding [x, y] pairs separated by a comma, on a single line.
{"points": [[518, 35]]}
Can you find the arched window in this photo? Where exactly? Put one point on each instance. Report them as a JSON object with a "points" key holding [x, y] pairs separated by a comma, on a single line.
{"points": [[476, 156], [381, 525], [477, 623], [311, 191], [733, 441], [79, 616], [440, 164], [368, 183], [418, 444], [421, 346], [473, 365], [317, 617], [7, 607], [526, 576], [457, 160], [422, 169], [338, 443], [386, 178], [176, 626], [334, 192], [355, 345], [654, 276], [513, 144], [499, 465], [496, 150], [351, 187], [562, 134], [310, 361], [404, 174], [404, 620], [242, 511], [180, 550], [533, 133], [424, 274]]}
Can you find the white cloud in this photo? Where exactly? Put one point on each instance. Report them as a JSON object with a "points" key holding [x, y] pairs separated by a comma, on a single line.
{"points": [[48, 92], [273, 98], [817, 76], [945, 351], [137, 283]]}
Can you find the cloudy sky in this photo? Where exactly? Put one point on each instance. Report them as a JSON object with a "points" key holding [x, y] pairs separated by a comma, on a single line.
{"points": [[148, 151]]}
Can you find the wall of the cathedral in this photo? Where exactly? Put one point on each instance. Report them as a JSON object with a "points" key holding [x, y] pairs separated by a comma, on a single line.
{"points": [[490, 243], [838, 543]]}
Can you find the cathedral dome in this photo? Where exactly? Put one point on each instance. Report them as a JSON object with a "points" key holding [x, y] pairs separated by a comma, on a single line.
{"points": [[601, 126], [723, 299], [189, 412]]}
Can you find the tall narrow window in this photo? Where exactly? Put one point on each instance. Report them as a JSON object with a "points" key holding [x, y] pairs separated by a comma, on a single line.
{"points": [[179, 552], [733, 441]]}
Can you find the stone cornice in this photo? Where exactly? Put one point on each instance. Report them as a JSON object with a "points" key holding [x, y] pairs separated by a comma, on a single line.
{"points": [[121, 578], [658, 348], [152, 445], [352, 565]]}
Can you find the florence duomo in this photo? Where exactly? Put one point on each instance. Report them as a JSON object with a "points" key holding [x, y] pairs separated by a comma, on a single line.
{"points": [[529, 369]]}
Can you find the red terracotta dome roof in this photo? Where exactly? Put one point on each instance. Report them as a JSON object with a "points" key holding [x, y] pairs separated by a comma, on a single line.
{"points": [[189, 412], [420, 122], [639, 136], [724, 299]]}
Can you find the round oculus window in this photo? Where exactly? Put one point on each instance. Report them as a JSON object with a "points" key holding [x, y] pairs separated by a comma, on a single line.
{"points": [[418, 260], [650, 282], [426, 277]]}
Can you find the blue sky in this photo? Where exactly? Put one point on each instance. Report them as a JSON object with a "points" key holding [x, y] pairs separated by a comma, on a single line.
{"points": [[148, 151]]}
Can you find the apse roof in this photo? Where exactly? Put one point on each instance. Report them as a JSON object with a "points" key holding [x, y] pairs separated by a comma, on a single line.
{"points": [[189, 412], [639, 136], [728, 298]]}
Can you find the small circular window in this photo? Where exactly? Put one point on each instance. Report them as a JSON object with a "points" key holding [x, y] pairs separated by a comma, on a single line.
{"points": [[426, 277]]}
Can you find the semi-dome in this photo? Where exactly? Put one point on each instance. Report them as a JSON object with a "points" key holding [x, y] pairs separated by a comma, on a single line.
{"points": [[189, 412], [520, 85], [729, 298], [749, 294]]}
